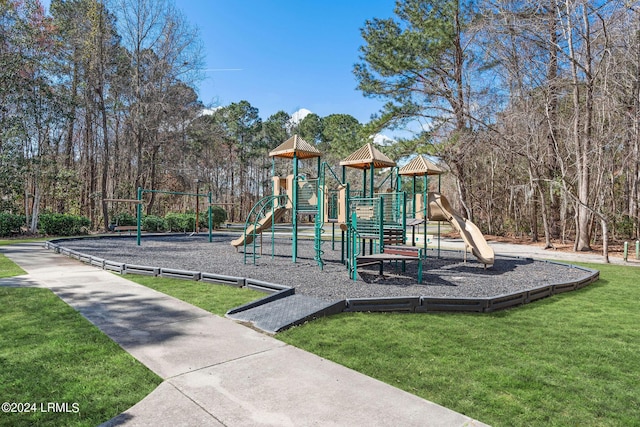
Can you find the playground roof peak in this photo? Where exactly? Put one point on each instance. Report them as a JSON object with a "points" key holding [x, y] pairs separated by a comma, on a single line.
{"points": [[365, 156], [295, 145], [420, 166]]}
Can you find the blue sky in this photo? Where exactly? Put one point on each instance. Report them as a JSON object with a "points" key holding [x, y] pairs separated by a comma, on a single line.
{"points": [[284, 54]]}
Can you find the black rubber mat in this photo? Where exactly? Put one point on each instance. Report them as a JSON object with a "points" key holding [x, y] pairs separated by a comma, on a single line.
{"points": [[284, 312]]}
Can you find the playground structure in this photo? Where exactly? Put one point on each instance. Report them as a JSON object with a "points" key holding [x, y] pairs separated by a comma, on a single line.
{"points": [[374, 217], [367, 219]]}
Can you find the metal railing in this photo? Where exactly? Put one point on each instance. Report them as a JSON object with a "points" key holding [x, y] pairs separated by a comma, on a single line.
{"points": [[264, 206]]}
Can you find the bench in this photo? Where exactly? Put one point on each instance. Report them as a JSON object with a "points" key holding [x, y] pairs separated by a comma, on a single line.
{"points": [[410, 251], [129, 228], [394, 253]]}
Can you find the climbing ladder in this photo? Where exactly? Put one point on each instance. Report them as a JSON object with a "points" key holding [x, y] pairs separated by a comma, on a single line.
{"points": [[264, 214]]}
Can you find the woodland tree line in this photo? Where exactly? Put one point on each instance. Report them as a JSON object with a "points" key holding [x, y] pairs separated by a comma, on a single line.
{"points": [[533, 105]]}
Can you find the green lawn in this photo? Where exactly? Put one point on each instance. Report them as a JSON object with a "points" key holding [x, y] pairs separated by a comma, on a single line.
{"points": [[50, 353], [569, 360], [216, 299], [8, 268], [572, 359], [5, 242]]}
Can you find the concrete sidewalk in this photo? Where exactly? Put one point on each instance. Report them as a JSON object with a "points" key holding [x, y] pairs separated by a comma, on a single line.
{"points": [[217, 372], [537, 252]]}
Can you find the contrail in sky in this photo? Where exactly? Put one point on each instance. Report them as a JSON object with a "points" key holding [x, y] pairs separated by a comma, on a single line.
{"points": [[222, 69]]}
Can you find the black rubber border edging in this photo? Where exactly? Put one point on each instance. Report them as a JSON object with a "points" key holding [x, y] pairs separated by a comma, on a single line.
{"points": [[406, 304]]}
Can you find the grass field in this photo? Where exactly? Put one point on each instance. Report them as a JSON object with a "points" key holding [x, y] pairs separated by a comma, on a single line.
{"points": [[569, 360], [216, 299], [5, 242], [8, 268]]}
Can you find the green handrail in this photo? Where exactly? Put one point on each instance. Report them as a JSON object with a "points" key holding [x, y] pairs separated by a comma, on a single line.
{"points": [[353, 262], [319, 221], [258, 212]]}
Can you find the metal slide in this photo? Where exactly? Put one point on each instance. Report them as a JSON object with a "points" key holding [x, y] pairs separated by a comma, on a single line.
{"points": [[255, 229], [441, 210]]}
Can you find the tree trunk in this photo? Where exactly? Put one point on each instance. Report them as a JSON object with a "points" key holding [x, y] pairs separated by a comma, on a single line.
{"points": [[545, 216], [605, 240], [581, 145], [35, 209]]}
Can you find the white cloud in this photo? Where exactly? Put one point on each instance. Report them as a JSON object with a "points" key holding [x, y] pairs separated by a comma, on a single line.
{"points": [[297, 117], [383, 140], [209, 111]]}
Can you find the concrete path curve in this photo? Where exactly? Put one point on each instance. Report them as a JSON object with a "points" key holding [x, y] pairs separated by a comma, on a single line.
{"points": [[217, 372]]}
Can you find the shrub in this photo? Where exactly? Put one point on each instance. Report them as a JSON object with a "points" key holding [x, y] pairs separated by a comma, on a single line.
{"points": [[625, 227], [10, 224], [180, 222], [186, 222], [63, 225], [218, 216], [154, 223], [124, 218]]}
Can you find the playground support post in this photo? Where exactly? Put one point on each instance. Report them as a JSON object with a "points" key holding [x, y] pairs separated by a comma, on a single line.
{"points": [[425, 203], [364, 182], [371, 180], [404, 217], [197, 205], [319, 220], [294, 210], [381, 225], [273, 192], [439, 222], [210, 216], [347, 216], [353, 262], [413, 192]]}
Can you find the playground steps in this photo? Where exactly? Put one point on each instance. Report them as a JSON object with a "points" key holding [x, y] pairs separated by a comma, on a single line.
{"points": [[392, 234], [276, 315]]}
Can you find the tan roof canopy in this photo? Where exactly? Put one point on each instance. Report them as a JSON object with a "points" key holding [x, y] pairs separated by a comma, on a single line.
{"points": [[367, 155], [420, 166], [295, 145]]}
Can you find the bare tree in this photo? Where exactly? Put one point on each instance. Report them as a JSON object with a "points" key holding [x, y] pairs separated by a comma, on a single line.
{"points": [[164, 50]]}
